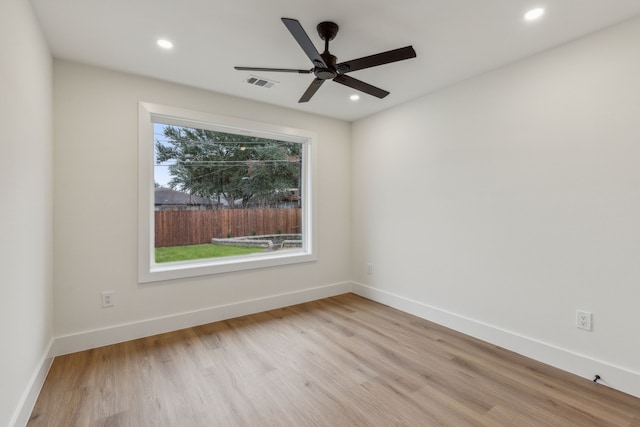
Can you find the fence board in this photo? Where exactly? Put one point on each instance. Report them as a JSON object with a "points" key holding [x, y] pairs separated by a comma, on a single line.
{"points": [[178, 228]]}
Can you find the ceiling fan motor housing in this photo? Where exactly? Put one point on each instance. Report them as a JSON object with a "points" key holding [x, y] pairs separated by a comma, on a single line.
{"points": [[329, 72]]}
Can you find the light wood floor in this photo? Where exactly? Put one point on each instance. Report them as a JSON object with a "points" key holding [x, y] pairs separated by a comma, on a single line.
{"points": [[343, 361]]}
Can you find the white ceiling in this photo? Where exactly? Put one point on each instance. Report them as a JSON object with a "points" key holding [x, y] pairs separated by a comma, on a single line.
{"points": [[454, 40]]}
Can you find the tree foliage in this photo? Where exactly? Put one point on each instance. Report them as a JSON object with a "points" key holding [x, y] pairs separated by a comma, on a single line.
{"points": [[216, 164]]}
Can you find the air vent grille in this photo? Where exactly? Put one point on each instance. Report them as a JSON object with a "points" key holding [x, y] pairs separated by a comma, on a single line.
{"points": [[261, 81]]}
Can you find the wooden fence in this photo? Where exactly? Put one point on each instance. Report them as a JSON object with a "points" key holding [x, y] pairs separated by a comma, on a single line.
{"points": [[177, 228]]}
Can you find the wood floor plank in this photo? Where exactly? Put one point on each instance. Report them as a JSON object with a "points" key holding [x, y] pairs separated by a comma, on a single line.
{"points": [[341, 361]]}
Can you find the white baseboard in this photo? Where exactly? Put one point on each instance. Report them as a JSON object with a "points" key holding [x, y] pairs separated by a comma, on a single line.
{"points": [[30, 396], [616, 377], [130, 331]]}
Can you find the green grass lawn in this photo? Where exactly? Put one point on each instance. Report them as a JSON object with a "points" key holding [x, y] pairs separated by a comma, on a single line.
{"points": [[183, 253]]}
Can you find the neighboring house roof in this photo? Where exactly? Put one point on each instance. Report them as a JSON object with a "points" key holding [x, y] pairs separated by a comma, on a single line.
{"points": [[167, 196]]}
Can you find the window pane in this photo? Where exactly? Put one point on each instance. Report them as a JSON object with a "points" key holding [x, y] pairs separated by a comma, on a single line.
{"points": [[223, 194]]}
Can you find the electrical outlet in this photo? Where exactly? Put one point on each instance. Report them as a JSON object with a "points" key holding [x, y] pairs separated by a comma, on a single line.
{"points": [[108, 299], [583, 320], [369, 268]]}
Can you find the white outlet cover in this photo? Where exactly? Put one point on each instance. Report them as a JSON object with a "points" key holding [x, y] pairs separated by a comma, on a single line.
{"points": [[108, 299], [583, 320]]}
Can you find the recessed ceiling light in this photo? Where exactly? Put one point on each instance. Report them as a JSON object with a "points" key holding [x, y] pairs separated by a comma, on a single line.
{"points": [[534, 14], [165, 44], [354, 97]]}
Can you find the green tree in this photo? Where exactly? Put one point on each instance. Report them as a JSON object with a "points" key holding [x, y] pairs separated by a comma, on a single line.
{"points": [[216, 164]]}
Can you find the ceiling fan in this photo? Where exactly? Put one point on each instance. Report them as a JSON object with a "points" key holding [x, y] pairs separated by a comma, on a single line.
{"points": [[325, 66]]}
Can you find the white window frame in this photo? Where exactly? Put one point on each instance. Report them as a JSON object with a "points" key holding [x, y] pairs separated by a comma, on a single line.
{"points": [[148, 269]]}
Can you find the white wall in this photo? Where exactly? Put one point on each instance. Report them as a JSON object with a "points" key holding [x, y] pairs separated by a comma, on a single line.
{"points": [[503, 204], [25, 208], [96, 218]]}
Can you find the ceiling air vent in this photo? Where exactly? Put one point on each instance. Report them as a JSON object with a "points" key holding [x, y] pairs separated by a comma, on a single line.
{"points": [[260, 81]]}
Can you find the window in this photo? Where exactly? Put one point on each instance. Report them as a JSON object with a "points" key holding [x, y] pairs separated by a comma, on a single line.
{"points": [[220, 194]]}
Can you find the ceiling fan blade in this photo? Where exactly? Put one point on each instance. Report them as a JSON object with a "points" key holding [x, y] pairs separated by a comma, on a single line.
{"points": [[311, 90], [280, 70], [298, 33], [382, 58], [361, 86]]}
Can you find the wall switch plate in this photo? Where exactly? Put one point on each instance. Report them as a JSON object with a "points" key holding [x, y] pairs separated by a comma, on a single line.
{"points": [[583, 320], [108, 299]]}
